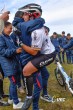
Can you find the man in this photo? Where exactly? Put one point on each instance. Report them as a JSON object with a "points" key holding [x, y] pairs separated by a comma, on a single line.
{"points": [[46, 75], [25, 57], [4, 17], [55, 41], [69, 45], [34, 50], [68, 52], [62, 42]]}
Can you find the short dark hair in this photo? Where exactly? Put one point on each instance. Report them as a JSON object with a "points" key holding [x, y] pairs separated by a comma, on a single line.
{"points": [[19, 14], [54, 33], [68, 34], [47, 28], [63, 32], [7, 24]]}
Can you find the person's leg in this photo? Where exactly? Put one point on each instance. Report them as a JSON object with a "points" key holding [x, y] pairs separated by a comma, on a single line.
{"points": [[13, 90], [59, 56], [2, 102], [19, 76], [67, 56], [72, 59], [37, 63], [29, 91], [13, 97], [19, 80], [1, 88], [23, 80], [1, 84], [63, 55], [32, 67], [29, 69], [45, 95], [37, 80], [45, 75]]}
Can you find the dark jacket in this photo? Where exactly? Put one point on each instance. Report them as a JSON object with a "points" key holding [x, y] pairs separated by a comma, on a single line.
{"points": [[8, 54], [55, 42], [62, 41], [69, 46], [26, 28]]}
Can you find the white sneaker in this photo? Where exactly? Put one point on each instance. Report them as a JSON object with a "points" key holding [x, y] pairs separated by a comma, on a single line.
{"points": [[18, 106], [21, 90], [11, 101]]}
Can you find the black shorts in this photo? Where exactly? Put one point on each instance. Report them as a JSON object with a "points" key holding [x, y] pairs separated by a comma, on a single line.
{"points": [[43, 60]]}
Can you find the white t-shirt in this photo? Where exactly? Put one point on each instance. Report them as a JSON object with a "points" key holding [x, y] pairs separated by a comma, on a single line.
{"points": [[41, 41]]}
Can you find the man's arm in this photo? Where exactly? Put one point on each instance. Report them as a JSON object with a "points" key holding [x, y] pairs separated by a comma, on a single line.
{"points": [[34, 24], [1, 26], [29, 50], [36, 44], [3, 17], [7, 52], [69, 45]]}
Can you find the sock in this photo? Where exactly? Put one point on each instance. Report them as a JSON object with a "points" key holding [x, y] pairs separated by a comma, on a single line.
{"points": [[29, 86]]}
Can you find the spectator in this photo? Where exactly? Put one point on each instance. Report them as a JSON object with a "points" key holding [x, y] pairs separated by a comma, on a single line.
{"points": [[9, 63], [62, 42], [3, 18], [55, 41]]}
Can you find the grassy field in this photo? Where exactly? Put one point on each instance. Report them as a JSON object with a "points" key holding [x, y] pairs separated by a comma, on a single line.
{"points": [[54, 90]]}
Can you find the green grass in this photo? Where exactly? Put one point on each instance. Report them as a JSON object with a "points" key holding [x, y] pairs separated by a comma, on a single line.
{"points": [[54, 89]]}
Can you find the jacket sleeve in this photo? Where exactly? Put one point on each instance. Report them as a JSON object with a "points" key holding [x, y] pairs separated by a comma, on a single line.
{"points": [[4, 50], [34, 24], [69, 45]]}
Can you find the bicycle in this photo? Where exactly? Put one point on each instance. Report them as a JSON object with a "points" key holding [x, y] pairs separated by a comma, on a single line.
{"points": [[63, 78]]}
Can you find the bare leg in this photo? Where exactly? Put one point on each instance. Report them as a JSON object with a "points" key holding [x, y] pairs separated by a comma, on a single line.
{"points": [[29, 69]]}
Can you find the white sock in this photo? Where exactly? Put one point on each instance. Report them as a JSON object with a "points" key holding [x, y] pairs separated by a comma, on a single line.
{"points": [[29, 97]]}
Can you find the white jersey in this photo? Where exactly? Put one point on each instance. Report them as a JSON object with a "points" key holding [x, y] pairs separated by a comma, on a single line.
{"points": [[41, 41]]}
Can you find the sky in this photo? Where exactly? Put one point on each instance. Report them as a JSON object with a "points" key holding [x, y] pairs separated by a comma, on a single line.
{"points": [[58, 14]]}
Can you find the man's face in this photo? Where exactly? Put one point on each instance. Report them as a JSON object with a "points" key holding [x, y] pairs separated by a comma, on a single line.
{"points": [[63, 35], [8, 29], [68, 37], [46, 31], [26, 17], [54, 35]]}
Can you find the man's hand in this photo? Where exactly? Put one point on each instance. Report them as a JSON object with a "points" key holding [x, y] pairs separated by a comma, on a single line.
{"points": [[61, 49], [5, 16], [19, 50], [19, 43]]}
